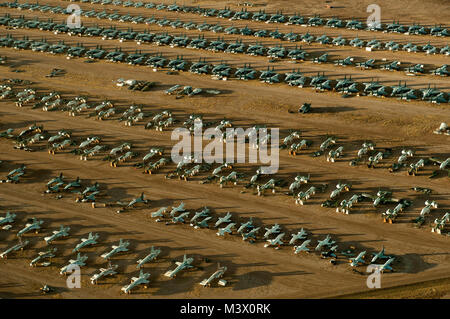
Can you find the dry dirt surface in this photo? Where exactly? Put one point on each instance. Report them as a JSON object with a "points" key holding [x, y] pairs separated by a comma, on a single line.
{"points": [[422, 258]]}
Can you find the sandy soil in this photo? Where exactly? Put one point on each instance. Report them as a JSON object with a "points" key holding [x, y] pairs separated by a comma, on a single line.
{"points": [[423, 258]]}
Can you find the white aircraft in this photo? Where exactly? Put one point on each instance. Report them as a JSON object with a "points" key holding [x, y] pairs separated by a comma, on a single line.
{"points": [[152, 256]]}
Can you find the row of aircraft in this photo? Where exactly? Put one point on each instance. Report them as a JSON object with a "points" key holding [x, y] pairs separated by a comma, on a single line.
{"points": [[227, 13]]}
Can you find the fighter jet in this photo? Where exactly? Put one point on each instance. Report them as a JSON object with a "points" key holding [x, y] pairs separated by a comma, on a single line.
{"points": [[325, 243], [251, 234], [345, 62], [35, 225], [135, 281], [225, 219], [216, 275], [339, 41], [80, 261], [110, 271], [321, 59], [19, 246], [179, 208], [61, 232], [358, 259], [180, 218], [8, 219], [138, 200], [275, 229], [122, 247], [442, 71], [42, 255], [302, 247], [369, 64], [302, 234], [386, 266], [392, 66], [227, 229], [203, 213], [379, 255], [154, 253], [415, 69], [275, 242], [91, 240], [185, 264]]}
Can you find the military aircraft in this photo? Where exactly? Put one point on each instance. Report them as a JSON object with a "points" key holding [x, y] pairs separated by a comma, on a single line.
{"points": [[185, 264], [304, 196], [324, 243], [429, 205], [135, 281], [80, 261], [297, 54], [20, 246], [308, 38], [442, 71], [110, 271], [339, 41], [179, 208], [61, 232], [8, 219], [392, 66], [224, 219], [302, 247], [379, 255], [216, 275], [415, 69], [35, 225], [154, 253], [369, 64], [302, 234], [226, 229], [386, 266], [345, 62], [439, 223], [138, 200], [354, 262], [122, 247], [180, 218], [275, 229], [14, 175], [251, 234], [48, 254], [203, 213], [278, 241], [90, 241]]}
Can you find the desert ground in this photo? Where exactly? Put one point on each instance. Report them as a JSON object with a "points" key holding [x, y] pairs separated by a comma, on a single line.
{"points": [[422, 258]]}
